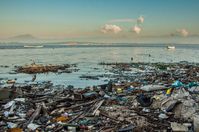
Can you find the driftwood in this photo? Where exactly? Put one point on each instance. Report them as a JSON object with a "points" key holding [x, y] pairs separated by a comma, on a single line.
{"points": [[98, 105], [58, 129], [66, 104], [40, 100], [44, 109], [58, 100], [74, 106], [103, 113], [35, 114], [83, 104], [36, 68], [107, 129], [73, 119], [76, 117]]}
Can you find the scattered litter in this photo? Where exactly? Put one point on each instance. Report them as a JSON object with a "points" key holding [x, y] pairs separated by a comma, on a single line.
{"points": [[152, 87], [32, 126], [20, 99], [163, 116], [138, 97], [9, 104], [176, 127], [11, 125]]}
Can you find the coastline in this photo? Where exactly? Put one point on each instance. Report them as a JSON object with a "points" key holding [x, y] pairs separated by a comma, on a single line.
{"points": [[138, 97]]}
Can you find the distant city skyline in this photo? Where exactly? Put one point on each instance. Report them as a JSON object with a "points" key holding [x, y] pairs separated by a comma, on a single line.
{"points": [[102, 20]]}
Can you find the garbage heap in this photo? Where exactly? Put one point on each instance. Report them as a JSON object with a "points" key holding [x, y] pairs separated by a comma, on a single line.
{"points": [[39, 68], [153, 100]]}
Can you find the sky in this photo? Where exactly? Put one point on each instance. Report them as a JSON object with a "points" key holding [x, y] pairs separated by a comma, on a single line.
{"points": [[101, 20]]}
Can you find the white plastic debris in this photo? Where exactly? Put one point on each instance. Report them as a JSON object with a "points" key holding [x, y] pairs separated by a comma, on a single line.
{"points": [[22, 115], [163, 116], [106, 96], [97, 113], [11, 125], [181, 94], [177, 127], [51, 126], [6, 113], [194, 89], [152, 87], [65, 114], [196, 123], [12, 108], [32, 126], [72, 129], [189, 108], [146, 110], [9, 104], [20, 99]]}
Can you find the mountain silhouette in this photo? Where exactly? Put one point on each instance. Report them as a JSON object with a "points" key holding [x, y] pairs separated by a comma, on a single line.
{"points": [[23, 37]]}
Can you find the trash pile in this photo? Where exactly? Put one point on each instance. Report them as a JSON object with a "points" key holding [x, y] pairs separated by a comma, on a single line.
{"points": [[145, 97], [39, 68]]}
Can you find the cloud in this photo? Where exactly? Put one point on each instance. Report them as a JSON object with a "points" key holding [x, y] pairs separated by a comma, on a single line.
{"points": [[136, 29], [123, 20], [140, 20], [182, 32], [111, 29]]}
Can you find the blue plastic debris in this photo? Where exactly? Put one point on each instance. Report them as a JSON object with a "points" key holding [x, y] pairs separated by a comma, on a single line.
{"points": [[177, 84]]}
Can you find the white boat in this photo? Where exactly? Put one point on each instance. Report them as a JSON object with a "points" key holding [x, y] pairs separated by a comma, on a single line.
{"points": [[171, 47], [33, 46]]}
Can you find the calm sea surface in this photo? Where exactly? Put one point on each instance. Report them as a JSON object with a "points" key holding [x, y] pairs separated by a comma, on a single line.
{"points": [[87, 58]]}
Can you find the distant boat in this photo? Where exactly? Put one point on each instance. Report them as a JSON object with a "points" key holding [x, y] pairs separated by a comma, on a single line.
{"points": [[33, 46], [171, 47]]}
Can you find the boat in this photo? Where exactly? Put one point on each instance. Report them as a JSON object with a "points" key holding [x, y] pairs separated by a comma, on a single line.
{"points": [[171, 47], [33, 46]]}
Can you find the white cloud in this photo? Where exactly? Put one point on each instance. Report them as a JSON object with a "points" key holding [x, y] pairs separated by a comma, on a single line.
{"points": [[183, 32], [111, 29], [123, 20], [136, 29], [140, 20]]}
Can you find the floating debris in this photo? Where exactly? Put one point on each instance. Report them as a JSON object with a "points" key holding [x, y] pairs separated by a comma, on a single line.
{"points": [[38, 68]]}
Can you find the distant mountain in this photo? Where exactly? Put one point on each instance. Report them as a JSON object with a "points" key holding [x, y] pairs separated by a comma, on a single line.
{"points": [[23, 38], [30, 39]]}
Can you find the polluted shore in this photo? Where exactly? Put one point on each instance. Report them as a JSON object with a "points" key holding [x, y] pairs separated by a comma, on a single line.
{"points": [[137, 97], [99, 66]]}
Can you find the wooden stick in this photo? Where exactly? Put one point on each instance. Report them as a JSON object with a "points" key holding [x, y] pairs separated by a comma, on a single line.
{"points": [[98, 106], [35, 114]]}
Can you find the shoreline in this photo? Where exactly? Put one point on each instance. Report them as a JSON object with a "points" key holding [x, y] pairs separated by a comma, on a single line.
{"points": [[138, 97]]}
